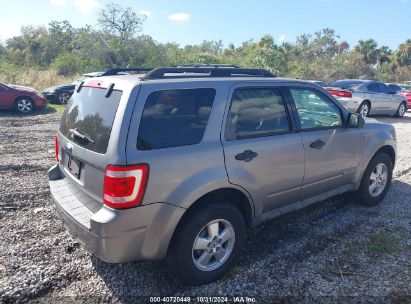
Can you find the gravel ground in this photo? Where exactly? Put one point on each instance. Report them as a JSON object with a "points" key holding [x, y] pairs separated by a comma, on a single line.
{"points": [[333, 252]]}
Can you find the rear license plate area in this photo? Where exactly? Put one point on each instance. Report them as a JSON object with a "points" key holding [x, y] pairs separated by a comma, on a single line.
{"points": [[74, 166]]}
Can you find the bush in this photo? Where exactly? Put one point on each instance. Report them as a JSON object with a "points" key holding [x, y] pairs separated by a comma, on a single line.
{"points": [[67, 64]]}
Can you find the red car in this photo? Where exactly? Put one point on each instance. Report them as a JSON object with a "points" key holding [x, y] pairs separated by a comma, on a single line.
{"points": [[20, 99], [407, 93]]}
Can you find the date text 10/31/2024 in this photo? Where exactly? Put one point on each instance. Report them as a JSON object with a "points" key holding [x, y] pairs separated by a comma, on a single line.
{"points": [[239, 299]]}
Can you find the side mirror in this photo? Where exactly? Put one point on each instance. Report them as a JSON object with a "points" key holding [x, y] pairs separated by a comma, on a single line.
{"points": [[355, 120]]}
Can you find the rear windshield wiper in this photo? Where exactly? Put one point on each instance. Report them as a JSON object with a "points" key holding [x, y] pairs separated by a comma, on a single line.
{"points": [[82, 136]]}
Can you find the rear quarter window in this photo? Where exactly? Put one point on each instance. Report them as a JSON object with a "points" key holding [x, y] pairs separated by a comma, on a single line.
{"points": [[174, 118]]}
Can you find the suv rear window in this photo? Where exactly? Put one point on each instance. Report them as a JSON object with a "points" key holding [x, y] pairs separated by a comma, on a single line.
{"points": [[175, 118], [92, 114]]}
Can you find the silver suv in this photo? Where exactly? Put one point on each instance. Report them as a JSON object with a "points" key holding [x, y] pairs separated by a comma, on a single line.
{"points": [[180, 162]]}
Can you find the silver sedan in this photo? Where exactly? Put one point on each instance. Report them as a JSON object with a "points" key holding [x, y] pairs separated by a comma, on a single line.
{"points": [[368, 97]]}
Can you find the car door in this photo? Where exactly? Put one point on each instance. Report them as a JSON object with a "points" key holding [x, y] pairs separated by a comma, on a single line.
{"points": [[263, 152], [388, 101], [391, 101], [378, 97], [332, 152]]}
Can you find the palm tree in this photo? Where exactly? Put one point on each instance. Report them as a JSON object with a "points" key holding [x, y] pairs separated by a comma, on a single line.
{"points": [[383, 54], [403, 55], [368, 49]]}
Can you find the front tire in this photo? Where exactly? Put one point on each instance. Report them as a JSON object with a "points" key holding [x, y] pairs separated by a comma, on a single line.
{"points": [[401, 110], [24, 105], [376, 180], [207, 244]]}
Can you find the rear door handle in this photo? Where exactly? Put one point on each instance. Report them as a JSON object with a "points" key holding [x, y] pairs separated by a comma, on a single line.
{"points": [[318, 144], [246, 156]]}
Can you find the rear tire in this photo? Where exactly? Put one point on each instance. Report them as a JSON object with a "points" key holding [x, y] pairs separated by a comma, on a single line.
{"points": [[376, 180], [23, 105], [64, 98], [364, 109], [207, 244], [401, 110]]}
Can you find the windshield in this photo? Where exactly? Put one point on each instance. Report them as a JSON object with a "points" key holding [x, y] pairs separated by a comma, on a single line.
{"points": [[90, 114]]}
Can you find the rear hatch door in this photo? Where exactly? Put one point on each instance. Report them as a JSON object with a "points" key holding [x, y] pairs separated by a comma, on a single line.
{"points": [[86, 134]]}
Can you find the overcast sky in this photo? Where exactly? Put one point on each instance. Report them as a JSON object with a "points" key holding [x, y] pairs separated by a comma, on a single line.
{"points": [[192, 21]]}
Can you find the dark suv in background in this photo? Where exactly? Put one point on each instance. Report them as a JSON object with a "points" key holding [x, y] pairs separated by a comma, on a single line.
{"points": [[180, 162]]}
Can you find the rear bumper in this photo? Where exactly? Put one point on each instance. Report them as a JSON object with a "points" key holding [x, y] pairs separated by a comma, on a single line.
{"points": [[141, 233]]}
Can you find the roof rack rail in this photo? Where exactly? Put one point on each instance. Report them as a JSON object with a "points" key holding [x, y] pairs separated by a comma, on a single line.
{"points": [[203, 72], [211, 65], [116, 71]]}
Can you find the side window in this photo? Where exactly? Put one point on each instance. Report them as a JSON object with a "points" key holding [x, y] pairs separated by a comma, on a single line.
{"points": [[174, 118], [256, 112], [396, 88], [373, 87], [383, 88], [315, 110]]}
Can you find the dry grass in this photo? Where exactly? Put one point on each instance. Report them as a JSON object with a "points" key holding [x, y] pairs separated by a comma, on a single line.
{"points": [[34, 78]]}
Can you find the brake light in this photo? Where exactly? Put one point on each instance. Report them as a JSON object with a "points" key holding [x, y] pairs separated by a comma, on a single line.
{"points": [[124, 186], [340, 93], [95, 84], [57, 149]]}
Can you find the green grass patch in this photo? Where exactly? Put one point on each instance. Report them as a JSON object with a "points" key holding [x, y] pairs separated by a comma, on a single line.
{"points": [[382, 242], [56, 107]]}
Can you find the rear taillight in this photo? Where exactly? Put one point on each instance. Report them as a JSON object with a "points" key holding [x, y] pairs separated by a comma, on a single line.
{"points": [[124, 186], [95, 84], [57, 149], [340, 93]]}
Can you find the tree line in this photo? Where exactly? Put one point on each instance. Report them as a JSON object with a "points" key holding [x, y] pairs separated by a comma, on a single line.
{"points": [[117, 42]]}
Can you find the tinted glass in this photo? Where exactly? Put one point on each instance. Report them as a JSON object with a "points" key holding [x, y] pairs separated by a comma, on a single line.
{"points": [[383, 88], [175, 118], [373, 87], [92, 114], [315, 110], [346, 84], [395, 87], [255, 113]]}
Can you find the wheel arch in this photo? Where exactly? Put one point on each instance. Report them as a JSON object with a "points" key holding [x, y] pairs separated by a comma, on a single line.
{"points": [[23, 96], [232, 196], [228, 195], [387, 148], [368, 102]]}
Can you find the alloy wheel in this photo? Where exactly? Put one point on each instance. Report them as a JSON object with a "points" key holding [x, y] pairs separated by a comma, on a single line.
{"points": [[213, 245], [24, 105], [378, 180], [64, 98], [364, 110], [401, 110]]}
